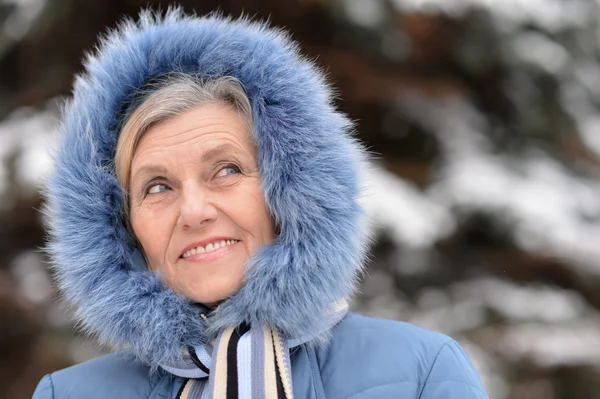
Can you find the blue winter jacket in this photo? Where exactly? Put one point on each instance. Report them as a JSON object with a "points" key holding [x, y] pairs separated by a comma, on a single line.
{"points": [[367, 358], [309, 166]]}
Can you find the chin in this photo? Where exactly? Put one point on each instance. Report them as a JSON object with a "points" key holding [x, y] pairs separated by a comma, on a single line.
{"points": [[210, 296]]}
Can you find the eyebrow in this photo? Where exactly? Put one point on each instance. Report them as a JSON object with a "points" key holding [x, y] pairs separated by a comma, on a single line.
{"points": [[208, 155]]}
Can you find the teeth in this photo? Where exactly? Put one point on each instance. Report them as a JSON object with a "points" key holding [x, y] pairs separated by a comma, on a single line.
{"points": [[209, 247]]}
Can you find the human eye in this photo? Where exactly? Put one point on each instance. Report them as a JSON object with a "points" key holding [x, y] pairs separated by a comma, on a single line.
{"points": [[228, 169], [155, 188]]}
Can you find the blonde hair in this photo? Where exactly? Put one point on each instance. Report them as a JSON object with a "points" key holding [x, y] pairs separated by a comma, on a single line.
{"points": [[176, 94]]}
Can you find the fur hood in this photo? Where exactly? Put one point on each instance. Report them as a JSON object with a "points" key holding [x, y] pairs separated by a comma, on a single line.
{"points": [[309, 166]]}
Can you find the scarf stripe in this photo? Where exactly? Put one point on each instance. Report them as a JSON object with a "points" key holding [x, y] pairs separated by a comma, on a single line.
{"points": [[287, 363], [196, 390], [193, 389], [197, 361], [270, 379], [185, 392], [205, 391], [232, 374], [283, 365], [232, 369], [258, 367], [219, 368], [204, 355], [181, 388], [244, 366], [243, 363], [280, 391]]}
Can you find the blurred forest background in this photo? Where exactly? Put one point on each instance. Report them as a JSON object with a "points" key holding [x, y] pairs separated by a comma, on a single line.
{"points": [[484, 116]]}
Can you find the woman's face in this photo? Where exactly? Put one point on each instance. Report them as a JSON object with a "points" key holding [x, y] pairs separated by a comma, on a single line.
{"points": [[196, 204]]}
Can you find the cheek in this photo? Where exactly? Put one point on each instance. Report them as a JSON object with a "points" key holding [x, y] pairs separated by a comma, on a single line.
{"points": [[264, 220], [252, 215], [152, 232]]}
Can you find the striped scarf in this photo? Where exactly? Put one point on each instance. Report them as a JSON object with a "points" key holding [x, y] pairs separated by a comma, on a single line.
{"points": [[244, 363]]}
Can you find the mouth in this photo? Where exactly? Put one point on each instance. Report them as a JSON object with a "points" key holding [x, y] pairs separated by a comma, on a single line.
{"points": [[208, 248]]}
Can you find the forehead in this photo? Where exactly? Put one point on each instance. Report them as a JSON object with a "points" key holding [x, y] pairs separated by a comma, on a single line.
{"points": [[205, 129]]}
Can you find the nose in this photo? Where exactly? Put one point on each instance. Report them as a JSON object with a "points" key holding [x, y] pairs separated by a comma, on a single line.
{"points": [[197, 210]]}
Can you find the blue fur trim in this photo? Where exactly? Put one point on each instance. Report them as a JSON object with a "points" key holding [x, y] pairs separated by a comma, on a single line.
{"points": [[309, 166]]}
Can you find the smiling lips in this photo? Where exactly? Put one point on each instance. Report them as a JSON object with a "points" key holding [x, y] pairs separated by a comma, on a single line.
{"points": [[210, 247]]}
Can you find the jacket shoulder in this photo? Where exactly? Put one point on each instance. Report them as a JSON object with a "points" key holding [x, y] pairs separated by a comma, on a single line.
{"points": [[113, 375], [370, 357]]}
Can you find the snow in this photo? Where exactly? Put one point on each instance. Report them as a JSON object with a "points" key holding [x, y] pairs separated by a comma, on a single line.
{"points": [[367, 13], [537, 49], [32, 276], [546, 205], [551, 14], [20, 21], [554, 345], [579, 92], [589, 129], [401, 209], [551, 210], [28, 134], [527, 302], [462, 306]]}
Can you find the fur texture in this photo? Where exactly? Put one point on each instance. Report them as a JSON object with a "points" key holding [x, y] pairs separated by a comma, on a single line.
{"points": [[308, 162]]}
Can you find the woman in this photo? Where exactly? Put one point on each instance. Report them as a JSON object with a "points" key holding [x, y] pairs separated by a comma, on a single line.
{"points": [[204, 220]]}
